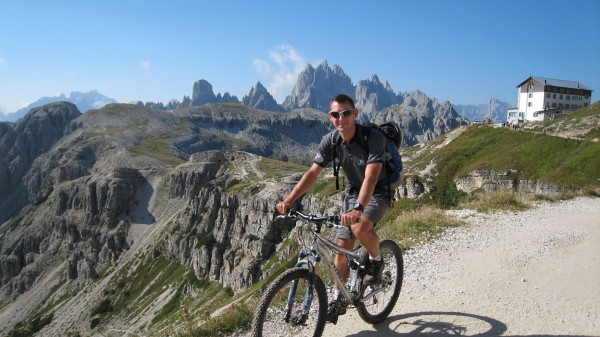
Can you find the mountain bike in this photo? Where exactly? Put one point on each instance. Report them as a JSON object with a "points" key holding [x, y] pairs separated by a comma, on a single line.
{"points": [[295, 303]]}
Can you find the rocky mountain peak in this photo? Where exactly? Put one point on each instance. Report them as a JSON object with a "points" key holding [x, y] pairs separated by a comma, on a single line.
{"points": [[316, 86], [260, 98], [83, 100], [32, 136], [202, 93], [373, 96]]}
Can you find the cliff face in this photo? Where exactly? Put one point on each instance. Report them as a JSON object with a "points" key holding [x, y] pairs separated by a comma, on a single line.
{"points": [[20, 146], [488, 181], [225, 231], [420, 118], [82, 221], [119, 188]]}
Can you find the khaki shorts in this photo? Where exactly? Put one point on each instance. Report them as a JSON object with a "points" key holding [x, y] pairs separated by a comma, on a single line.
{"points": [[374, 211]]}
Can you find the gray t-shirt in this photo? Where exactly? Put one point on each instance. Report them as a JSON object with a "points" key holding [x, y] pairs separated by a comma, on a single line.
{"points": [[353, 157]]}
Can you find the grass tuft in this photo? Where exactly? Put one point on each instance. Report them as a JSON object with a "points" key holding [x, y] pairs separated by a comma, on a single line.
{"points": [[237, 317], [499, 201], [414, 223]]}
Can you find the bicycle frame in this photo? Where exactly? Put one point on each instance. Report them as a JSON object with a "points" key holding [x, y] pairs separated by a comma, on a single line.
{"points": [[322, 248]]}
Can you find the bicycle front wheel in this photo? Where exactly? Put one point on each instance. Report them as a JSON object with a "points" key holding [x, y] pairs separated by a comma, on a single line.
{"points": [[289, 308], [380, 300]]}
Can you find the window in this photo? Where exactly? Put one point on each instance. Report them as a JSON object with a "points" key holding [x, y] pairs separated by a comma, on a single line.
{"points": [[548, 95], [554, 105], [568, 97], [530, 95], [530, 104], [554, 96], [560, 97], [535, 114]]}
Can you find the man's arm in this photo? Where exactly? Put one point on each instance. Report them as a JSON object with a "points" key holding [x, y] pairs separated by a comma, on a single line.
{"points": [[307, 180], [366, 192], [368, 186]]}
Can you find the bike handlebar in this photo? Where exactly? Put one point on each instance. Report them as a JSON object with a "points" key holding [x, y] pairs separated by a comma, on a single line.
{"points": [[328, 220]]}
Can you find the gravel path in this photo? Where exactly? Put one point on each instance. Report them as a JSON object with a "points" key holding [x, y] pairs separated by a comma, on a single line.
{"points": [[531, 273]]}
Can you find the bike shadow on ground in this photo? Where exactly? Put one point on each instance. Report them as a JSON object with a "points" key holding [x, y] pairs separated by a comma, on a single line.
{"points": [[440, 324]]}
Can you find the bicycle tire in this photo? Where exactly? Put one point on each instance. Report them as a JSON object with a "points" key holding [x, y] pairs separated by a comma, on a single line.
{"points": [[377, 308], [269, 319]]}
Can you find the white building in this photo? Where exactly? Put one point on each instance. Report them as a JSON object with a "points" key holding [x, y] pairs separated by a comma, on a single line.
{"points": [[544, 98]]}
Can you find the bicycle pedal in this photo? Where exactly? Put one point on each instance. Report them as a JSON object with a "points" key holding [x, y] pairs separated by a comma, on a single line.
{"points": [[332, 317], [299, 319]]}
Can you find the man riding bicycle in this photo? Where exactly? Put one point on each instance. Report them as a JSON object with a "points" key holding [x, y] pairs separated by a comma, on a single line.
{"points": [[365, 200]]}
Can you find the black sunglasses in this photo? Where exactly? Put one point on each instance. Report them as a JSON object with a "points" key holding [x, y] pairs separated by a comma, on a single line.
{"points": [[344, 113]]}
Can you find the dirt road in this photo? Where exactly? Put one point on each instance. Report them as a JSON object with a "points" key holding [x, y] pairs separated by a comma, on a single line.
{"points": [[532, 273]]}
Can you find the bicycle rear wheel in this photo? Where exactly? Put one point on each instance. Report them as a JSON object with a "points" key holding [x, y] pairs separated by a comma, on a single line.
{"points": [[376, 308], [289, 308]]}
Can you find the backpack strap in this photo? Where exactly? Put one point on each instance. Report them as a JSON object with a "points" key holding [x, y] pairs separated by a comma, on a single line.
{"points": [[335, 142], [364, 138]]}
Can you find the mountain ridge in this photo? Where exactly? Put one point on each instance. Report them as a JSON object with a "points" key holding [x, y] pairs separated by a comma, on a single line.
{"points": [[314, 87], [83, 100], [495, 110]]}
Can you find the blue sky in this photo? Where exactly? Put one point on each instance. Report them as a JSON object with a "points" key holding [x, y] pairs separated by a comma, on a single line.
{"points": [[462, 51]]}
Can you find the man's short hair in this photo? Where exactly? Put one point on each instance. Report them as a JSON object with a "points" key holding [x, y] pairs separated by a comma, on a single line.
{"points": [[343, 98]]}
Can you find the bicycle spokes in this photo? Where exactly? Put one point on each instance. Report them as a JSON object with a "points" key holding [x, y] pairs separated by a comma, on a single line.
{"points": [[379, 300], [294, 305]]}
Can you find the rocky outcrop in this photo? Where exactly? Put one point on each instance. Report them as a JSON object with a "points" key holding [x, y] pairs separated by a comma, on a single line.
{"points": [[202, 93], [373, 96], [226, 233], [260, 98], [486, 181], [420, 117], [316, 87], [84, 221], [32, 136], [293, 136], [227, 98], [412, 188]]}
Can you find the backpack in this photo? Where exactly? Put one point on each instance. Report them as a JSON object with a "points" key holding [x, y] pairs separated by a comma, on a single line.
{"points": [[393, 160]]}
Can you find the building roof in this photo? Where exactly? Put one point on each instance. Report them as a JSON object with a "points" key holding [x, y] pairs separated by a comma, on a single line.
{"points": [[556, 83]]}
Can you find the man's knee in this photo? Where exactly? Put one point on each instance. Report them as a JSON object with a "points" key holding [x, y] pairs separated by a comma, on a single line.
{"points": [[362, 229]]}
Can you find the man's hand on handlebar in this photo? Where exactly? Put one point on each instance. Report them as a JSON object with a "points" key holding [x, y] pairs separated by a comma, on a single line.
{"points": [[283, 207], [351, 218]]}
